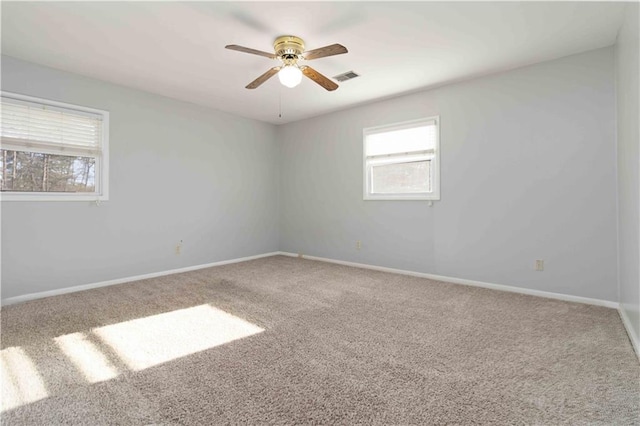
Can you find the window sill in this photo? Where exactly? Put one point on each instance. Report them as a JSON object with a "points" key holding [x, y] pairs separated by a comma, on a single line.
{"points": [[51, 197], [401, 198]]}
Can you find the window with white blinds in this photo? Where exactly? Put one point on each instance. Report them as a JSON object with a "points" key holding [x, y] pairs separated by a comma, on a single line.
{"points": [[401, 161], [52, 151]]}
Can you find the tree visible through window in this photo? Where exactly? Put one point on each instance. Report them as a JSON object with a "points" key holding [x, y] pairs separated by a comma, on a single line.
{"points": [[37, 172], [51, 150]]}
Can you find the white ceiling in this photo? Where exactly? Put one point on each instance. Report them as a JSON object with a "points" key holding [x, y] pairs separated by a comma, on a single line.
{"points": [[177, 48]]}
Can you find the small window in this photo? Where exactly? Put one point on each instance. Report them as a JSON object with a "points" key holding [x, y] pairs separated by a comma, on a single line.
{"points": [[401, 161], [52, 151]]}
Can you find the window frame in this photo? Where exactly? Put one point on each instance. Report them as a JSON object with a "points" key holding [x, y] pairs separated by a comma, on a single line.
{"points": [[101, 161], [434, 195]]}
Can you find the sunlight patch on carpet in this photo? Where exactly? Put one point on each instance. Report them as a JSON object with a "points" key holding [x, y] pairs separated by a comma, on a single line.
{"points": [[87, 357], [145, 342], [21, 383]]}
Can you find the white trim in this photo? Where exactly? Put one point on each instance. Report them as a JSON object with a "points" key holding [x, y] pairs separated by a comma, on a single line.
{"points": [[558, 296], [52, 196], [409, 124], [500, 287], [398, 157], [629, 329], [104, 159], [434, 195], [34, 99], [15, 144], [57, 292]]}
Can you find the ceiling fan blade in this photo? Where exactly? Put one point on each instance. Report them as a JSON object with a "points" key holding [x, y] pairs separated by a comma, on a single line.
{"points": [[334, 49], [264, 77], [319, 78], [252, 51]]}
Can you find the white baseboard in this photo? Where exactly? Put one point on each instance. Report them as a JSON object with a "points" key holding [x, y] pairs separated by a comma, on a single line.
{"points": [[627, 325], [39, 295], [547, 294], [625, 319]]}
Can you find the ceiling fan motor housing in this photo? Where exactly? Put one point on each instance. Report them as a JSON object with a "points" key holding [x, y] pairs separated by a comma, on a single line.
{"points": [[288, 47]]}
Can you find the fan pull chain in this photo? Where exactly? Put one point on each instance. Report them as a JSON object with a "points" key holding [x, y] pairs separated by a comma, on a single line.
{"points": [[280, 103]]}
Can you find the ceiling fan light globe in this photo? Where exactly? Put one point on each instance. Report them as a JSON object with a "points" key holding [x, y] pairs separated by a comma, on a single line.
{"points": [[290, 76]]}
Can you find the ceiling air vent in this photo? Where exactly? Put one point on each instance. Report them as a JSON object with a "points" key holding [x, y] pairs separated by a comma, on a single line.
{"points": [[346, 76]]}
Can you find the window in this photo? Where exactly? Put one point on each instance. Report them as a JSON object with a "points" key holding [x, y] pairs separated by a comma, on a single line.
{"points": [[52, 151], [401, 161]]}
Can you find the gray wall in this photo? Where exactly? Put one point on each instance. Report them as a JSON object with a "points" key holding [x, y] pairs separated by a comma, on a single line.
{"points": [[528, 172], [627, 88], [177, 172]]}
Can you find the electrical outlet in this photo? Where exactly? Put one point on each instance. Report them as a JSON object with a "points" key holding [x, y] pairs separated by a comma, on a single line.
{"points": [[179, 247], [358, 245], [539, 265]]}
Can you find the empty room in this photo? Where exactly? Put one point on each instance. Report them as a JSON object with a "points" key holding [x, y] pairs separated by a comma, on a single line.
{"points": [[390, 213]]}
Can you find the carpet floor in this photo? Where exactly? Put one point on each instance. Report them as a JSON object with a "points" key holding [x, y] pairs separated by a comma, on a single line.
{"points": [[283, 340]]}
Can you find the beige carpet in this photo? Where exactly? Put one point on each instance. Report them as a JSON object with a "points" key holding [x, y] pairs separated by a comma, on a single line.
{"points": [[289, 341]]}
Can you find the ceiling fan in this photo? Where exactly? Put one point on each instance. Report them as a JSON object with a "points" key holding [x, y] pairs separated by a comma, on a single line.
{"points": [[289, 50]]}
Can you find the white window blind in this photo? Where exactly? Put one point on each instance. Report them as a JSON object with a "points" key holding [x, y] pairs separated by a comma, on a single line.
{"points": [[402, 140], [34, 127]]}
